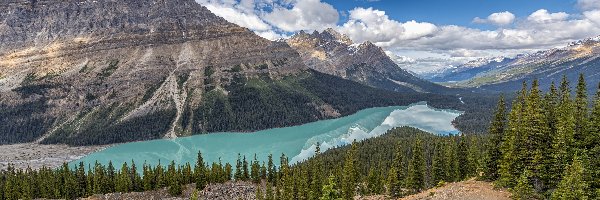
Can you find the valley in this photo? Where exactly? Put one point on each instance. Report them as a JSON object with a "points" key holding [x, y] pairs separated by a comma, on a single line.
{"points": [[297, 100]]}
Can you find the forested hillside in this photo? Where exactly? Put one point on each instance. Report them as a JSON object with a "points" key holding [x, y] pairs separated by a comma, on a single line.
{"points": [[548, 145]]}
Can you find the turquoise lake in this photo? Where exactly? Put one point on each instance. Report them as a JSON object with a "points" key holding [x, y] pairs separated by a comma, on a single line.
{"points": [[297, 142]]}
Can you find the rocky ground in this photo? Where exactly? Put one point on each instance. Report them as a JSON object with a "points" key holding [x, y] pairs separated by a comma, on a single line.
{"points": [[226, 191], [36, 155], [466, 190]]}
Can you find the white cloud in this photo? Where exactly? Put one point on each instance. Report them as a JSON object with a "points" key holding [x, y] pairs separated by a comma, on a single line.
{"points": [[588, 4], [248, 20], [375, 26], [304, 15], [543, 16], [500, 19]]}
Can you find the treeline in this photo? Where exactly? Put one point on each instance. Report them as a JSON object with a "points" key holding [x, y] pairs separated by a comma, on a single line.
{"points": [[402, 162], [548, 145]]}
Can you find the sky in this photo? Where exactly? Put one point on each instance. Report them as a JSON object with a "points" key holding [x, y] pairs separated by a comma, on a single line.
{"points": [[425, 35]]}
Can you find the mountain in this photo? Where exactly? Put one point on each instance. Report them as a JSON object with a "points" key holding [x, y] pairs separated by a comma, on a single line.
{"points": [[333, 53], [467, 70], [85, 72], [580, 57]]}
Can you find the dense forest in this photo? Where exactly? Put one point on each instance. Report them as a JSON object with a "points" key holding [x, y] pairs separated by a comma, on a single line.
{"points": [[548, 145]]}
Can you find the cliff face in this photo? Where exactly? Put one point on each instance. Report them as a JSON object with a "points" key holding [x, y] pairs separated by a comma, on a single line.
{"points": [[334, 53], [71, 66]]}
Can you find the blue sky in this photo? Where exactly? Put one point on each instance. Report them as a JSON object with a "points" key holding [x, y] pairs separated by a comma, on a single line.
{"points": [[425, 35], [455, 12]]}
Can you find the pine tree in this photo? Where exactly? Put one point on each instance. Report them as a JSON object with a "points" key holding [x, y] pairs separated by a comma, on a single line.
{"points": [[374, 185], [255, 170], [246, 174], [438, 173], [200, 172], [173, 180], [510, 166], [269, 192], [574, 184], [523, 189], [317, 166], [329, 190], [535, 137], [349, 178], [81, 180], [463, 162], [271, 169], [581, 113], [416, 172], [287, 182], [562, 140], [493, 153], [123, 181], [259, 194], [592, 143], [393, 184], [239, 173]]}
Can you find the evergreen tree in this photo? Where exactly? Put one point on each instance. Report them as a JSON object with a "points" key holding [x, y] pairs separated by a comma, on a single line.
{"points": [[510, 166], [317, 166], [246, 174], [562, 140], [269, 192], [173, 180], [259, 194], [393, 184], [439, 164], [374, 184], [463, 162], [581, 113], [592, 143], [329, 190], [349, 178], [271, 169], [574, 184], [523, 189], [200, 172], [239, 173], [123, 182], [255, 170], [416, 173], [535, 136], [496, 132]]}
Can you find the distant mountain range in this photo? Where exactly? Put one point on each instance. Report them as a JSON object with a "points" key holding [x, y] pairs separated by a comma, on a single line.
{"points": [[101, 72], [507, 74]]}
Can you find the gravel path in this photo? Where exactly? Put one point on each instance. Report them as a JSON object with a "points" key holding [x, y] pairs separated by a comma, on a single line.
{"points": [[36, 155]]}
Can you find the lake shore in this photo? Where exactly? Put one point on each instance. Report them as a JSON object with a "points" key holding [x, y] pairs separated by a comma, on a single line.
{"points": [[35, 155]]}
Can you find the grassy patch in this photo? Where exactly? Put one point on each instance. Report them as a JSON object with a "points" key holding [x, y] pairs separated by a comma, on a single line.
{"points": [[113, 65]]}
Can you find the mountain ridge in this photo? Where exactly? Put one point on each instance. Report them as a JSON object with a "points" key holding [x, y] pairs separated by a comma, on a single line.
{"points": [[333, 53]]}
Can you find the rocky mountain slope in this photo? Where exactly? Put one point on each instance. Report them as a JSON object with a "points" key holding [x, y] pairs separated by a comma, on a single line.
{"points": [[578, 57], [333, 53], [86, 72]]}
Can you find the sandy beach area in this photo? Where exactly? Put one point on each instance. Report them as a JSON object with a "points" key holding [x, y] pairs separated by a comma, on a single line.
{"points": [[37, 155]]}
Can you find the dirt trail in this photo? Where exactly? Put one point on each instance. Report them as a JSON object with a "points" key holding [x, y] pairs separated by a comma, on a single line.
{"points": [[465, 190]]}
